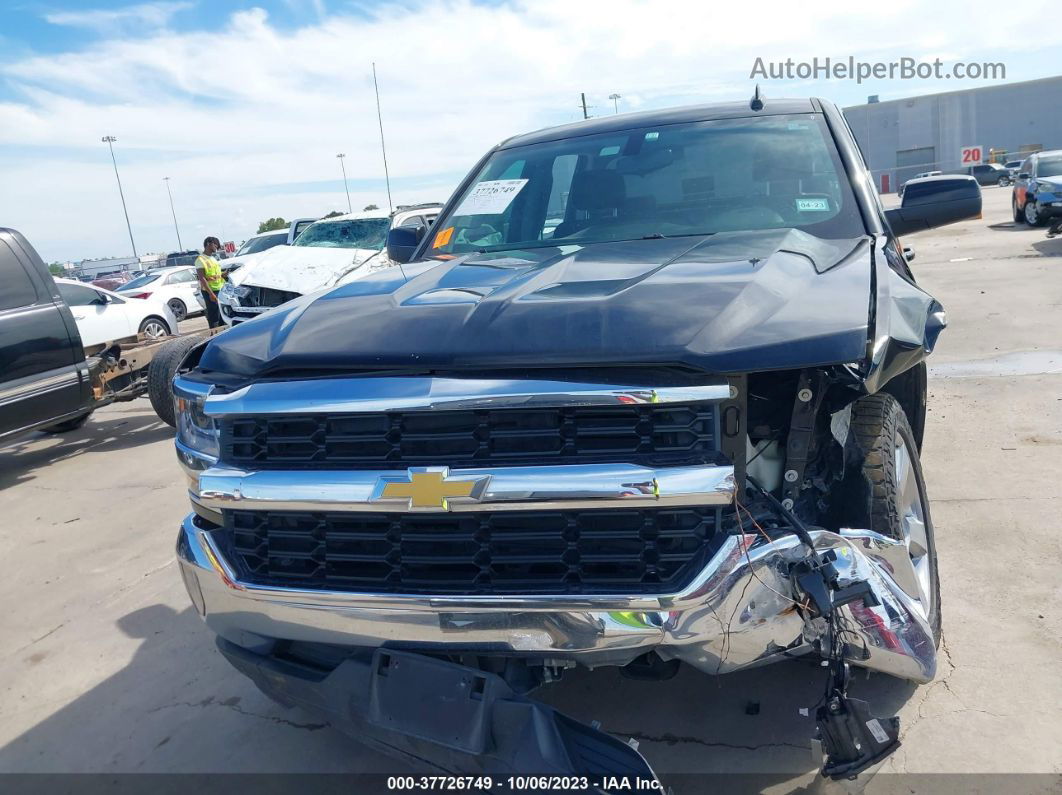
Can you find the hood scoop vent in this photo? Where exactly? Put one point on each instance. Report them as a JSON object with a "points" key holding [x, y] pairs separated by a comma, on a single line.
{"points": [[447, 295]]}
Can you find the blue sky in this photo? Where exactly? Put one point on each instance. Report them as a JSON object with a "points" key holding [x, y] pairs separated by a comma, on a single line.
{"points": [[244, 105]]}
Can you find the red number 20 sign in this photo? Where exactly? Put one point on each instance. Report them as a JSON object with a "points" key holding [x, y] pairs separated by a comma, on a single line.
{"points": [[971, 155]]}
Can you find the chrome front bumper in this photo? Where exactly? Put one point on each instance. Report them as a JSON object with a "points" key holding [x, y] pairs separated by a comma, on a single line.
{"points": [[737, 613]]}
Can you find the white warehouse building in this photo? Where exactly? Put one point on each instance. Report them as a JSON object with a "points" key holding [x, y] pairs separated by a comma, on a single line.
{"points": [[903, 137]]}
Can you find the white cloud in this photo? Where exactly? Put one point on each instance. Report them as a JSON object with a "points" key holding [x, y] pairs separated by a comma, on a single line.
{"points": [[262, 104], [145, 15]]}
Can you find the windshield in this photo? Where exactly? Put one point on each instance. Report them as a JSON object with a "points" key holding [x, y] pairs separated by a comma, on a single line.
{"points": [[140, 281], [675, 180], [1049, 166], [360, 233], [256, 244]]}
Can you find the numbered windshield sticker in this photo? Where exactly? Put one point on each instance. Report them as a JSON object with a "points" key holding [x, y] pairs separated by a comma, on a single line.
{"points": [[491, 197], [817, 204]]}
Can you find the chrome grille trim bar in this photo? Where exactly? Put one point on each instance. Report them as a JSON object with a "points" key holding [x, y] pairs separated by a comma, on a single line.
{"points": [[426, 393], [529, 488]]}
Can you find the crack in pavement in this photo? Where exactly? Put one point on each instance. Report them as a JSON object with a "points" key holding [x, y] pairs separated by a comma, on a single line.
{"points": [[233, 704], [673, 739], [38, 640]]}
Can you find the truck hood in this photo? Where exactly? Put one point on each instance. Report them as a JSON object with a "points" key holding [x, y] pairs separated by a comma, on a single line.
{"points": [[301, 269], [729, 302]]}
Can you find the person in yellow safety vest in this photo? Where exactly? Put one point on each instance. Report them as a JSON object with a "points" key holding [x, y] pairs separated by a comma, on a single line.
{"points": [[208, 271]]}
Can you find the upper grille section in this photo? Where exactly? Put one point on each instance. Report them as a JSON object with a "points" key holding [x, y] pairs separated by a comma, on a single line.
{"points": [[646, 434]]}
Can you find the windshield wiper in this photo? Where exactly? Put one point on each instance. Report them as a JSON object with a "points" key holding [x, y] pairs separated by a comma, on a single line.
{"points": [[654, 236]]}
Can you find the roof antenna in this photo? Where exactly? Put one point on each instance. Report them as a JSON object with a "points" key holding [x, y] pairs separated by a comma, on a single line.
{"points": [[757, 100]]}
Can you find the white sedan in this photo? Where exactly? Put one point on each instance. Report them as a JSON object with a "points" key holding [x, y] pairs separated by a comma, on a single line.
{"points": [[178, 287], [104, 318]]}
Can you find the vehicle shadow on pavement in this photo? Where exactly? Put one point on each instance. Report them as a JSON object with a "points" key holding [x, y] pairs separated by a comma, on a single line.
{"points": [[176, 707], [1049, 247], [112, 433]]}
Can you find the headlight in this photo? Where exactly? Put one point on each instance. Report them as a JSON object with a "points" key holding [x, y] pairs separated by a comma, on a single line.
{"points": [[195, 430], [1047, 187], [230, 293]]}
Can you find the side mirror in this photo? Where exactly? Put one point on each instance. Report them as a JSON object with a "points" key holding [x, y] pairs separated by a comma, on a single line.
{"points": [[935, 201], [102, 299], [402, 242], [1023, 175]]}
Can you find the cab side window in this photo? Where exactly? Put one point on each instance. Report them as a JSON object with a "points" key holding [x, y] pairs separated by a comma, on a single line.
{"points": [[17, 287]]}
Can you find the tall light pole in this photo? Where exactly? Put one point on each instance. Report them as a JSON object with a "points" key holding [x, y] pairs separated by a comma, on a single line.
{"points": [[615, 101], [383, 147], [109, 140], [180, 246], [341, 156]]}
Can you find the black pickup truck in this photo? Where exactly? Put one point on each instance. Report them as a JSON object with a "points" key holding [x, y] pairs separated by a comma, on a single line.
{"points": [[649, 392], [46, 380]]}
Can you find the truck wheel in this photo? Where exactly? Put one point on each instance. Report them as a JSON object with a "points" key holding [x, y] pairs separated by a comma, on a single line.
{"points": [[161, 372], [891, 492], [68, 425], [1032, 215]]}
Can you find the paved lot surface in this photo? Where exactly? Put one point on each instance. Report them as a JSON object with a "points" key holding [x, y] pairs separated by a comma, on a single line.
{"points": [[105, 668]]}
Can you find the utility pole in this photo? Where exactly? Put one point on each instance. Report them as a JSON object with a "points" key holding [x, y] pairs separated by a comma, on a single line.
{"points": [[383, 147], [615, 101], [341, 156], [109, 140], [180, 246], [585, 114]]}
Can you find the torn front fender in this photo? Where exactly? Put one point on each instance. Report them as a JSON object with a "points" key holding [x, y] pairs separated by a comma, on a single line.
{"points": [[907, 322]]}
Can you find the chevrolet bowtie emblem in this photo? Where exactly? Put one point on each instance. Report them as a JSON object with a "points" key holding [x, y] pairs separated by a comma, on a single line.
{"points": [[429, 488]]}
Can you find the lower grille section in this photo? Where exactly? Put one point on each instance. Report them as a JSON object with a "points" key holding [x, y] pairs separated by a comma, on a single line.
{"points": [[520, 552]]}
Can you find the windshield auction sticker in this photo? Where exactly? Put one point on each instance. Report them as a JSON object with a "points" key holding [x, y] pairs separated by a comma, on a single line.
{"points": [[443, 237], [491, 197]]}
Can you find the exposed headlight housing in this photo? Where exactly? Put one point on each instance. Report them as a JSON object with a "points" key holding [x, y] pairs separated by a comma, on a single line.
{"points": [[195, 430], [230, 293]]}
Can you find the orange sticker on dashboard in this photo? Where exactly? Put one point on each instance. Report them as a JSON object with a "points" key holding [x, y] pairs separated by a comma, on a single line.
{"points": [[443, 237]]}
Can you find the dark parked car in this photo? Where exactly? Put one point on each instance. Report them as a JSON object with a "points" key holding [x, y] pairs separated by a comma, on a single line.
{"points": [[44, 378], [113, 280], [650, 389], [988, 174], [180, 258], [1037, 194]]}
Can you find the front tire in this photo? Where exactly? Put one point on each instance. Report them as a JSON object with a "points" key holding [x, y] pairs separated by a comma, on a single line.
{"points": [[1002, 182], [161, 372], [1032, 215], [889, 493]]}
